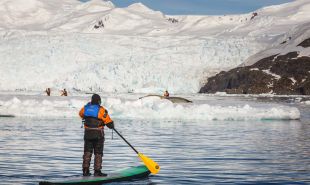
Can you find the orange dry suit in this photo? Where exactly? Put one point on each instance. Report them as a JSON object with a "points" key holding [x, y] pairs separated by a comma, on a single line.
{"points": [[95, 118]]}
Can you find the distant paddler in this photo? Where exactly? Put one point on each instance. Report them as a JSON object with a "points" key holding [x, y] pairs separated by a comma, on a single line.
{"points": [[170, 98], [166, 94], [64, 93], [48, 91]]}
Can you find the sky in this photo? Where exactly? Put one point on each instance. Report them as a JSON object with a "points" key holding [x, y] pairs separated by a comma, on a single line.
{"points": [[201, 7]]}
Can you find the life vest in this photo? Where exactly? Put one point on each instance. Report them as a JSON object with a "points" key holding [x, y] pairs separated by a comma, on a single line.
{"points": [[91, 116]]}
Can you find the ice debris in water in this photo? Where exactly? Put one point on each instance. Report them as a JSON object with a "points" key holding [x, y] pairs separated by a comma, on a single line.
{"points": [[149, 108]]}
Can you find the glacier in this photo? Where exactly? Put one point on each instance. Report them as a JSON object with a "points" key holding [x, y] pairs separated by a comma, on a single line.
{"points": [[135, 49], [111, 63]]}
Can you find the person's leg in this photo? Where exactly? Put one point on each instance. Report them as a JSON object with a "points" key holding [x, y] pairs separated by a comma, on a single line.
{"points": [[88, 151], [98, 150]]}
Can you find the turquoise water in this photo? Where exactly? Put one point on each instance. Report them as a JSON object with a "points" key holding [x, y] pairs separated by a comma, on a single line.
{"points": [[191, 152]]}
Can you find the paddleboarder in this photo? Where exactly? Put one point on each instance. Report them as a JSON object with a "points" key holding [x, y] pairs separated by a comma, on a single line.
{"points": [[95, 117]]}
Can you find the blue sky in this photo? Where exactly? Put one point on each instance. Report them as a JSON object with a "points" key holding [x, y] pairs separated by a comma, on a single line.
{"points": [[201, 7]]}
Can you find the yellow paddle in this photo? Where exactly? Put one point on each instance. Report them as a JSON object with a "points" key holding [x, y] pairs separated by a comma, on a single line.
{"points": [[149, 163]]}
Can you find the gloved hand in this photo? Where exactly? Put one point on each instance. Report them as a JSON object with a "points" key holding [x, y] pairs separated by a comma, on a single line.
{"points": [[110, 125]]}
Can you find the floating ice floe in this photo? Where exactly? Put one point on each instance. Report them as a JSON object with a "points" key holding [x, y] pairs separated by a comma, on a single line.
{"points": [[151, 108]]}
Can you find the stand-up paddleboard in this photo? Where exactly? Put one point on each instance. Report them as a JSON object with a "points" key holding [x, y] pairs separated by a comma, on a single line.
{"points": [[131, 173]]}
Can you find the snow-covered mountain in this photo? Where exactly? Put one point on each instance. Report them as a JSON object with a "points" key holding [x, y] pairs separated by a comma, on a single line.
{"points": [[96, 46], [137, 19]]}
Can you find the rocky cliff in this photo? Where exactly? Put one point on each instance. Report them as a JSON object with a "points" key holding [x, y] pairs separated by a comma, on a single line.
{"points": [[277, 74]]}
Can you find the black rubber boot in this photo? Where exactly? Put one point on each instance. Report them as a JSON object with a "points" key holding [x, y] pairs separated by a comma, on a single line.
{"points": [[86, 172], [98, 173]]}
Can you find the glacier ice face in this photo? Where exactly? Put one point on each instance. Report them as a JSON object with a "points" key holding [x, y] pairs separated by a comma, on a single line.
{"points": [[117, 63]]}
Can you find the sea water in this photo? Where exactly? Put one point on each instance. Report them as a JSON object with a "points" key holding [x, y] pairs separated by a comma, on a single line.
{"points": [[189, 151]]}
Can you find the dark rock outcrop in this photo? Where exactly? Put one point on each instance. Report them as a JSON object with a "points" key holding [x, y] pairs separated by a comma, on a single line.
{"points": [[172, 20], [238, 81], [278, 74], [99, 25], [254, 15], [305, 43]]}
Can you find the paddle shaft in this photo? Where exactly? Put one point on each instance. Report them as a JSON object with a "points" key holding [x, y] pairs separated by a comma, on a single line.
{"points": [[125, 140]]}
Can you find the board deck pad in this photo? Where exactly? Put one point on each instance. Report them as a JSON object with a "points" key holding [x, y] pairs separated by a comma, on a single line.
{"points": [[132, 173]]}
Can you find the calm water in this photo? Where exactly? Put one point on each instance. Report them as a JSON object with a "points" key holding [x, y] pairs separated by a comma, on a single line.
{"points": [[209, 152]]}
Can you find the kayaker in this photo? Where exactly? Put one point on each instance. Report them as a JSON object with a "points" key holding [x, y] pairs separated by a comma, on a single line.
{"points": [[64, 92], [166, 94], [95, 117], [48, 91]]}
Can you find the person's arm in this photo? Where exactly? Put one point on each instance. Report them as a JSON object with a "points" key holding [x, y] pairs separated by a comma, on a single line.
{"points": [[104, 116], [81, 113]]}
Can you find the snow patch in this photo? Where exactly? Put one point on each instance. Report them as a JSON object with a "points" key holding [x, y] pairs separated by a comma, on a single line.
{"points": [[293, 80], [254, 69], [293, 38], [304, 53], [277, 77], [270, 85]]}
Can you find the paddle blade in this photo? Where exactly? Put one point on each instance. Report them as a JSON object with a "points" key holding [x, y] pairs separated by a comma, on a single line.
{"points": [[150, 164]]}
